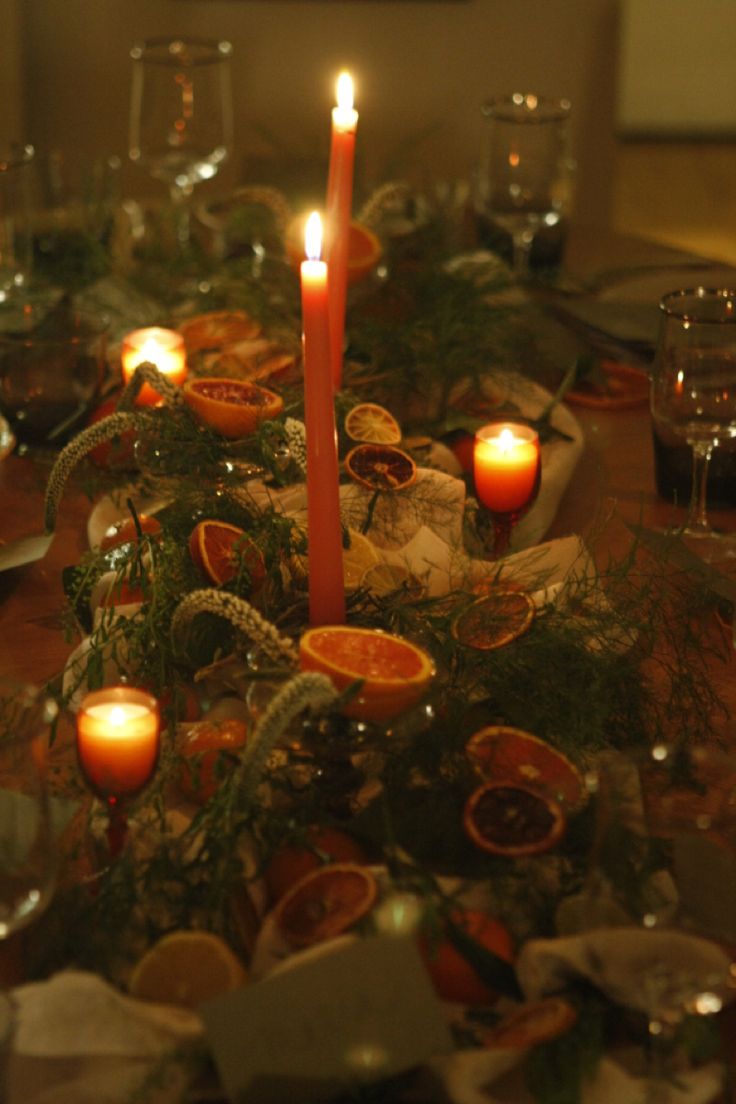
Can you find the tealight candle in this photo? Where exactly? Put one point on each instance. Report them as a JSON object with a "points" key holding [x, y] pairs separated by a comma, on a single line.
{"points": [[118, 740], [506, 466], [164, 349]]}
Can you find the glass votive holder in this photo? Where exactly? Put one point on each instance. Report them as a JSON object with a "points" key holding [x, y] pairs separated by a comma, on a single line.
{"points": [[163, 348]]}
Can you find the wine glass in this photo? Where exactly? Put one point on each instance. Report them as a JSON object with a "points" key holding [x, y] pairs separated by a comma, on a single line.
{"points": [[693, 389], [524, 178], [507, 471], [662, 849], [28, 854], [181, 115]]}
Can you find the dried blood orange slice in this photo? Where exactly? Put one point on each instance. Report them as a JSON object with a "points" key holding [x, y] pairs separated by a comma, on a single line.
{"points": [[231, 407], [217, 329], [494, 620], [453, 976], [325, 903], [395, 673], [220, 550], [205, 750], [532, 1023], [373, 424], [502, 753], [621, 387], [505, 818], [381, 467]]}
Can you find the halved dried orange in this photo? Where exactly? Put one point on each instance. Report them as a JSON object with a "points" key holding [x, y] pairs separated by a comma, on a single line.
{"points": [[532, 1023], [494, 620], [217, 329], [506, 818], [503, 753], [394, 673], [231, 407], [381, 467], [187, 968], [221, 550], [321, 845], [453, 976], [205, 750], [372, 423], [325, 903], [126, 531]]}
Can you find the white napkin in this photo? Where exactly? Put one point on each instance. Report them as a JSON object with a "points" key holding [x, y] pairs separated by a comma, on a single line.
{"points": [[78, 1040]]}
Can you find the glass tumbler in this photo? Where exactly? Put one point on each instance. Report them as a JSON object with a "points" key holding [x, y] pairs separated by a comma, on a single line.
{"points": [[16, 242]]}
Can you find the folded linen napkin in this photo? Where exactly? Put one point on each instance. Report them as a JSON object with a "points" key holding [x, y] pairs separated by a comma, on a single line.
{"points": [[79, 1041]]}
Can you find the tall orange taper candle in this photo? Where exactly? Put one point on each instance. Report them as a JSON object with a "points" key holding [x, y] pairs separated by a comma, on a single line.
{"points": [[339, 209], [324, 533]]}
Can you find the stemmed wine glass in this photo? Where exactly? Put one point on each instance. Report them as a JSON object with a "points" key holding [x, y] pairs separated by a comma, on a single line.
{"points": [[507, 471], [28, 853], [181, 115], [524, 178], [693, 389]]}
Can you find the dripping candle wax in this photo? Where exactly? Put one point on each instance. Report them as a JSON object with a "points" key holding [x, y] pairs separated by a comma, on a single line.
{"points": [[339, 209], [324, 532]]}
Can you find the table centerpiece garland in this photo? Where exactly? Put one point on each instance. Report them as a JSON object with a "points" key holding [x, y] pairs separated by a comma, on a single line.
{"points": [[588, 676]]}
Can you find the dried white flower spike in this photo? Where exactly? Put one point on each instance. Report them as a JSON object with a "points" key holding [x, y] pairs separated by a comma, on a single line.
{"points": [[241, 615]]}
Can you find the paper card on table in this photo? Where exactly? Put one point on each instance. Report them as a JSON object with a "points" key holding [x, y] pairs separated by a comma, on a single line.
{"points": [[24, 550], [361, 1012]]}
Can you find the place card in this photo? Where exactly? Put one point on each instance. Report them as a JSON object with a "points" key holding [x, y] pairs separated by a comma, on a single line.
{"points": [[343, 1015], [24, 550]]}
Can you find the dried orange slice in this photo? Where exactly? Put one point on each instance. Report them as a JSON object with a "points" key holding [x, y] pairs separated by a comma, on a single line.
{"points": [[216, 329], [381, 467], [507, 818], [532, 1023], [220, 550], [231, 407], [289, 864], [325, 903], [187, 968], [395, 673], [373, 424], [453, 976], [623, 387], [494, 620], [502, 753], [205, 749]]}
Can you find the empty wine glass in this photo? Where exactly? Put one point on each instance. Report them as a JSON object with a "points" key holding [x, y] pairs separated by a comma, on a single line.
{"points": [[524, 178], [181, 115], [693, 391], [27, 851]]}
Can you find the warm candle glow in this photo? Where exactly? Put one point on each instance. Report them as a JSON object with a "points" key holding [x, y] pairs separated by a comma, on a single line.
{"points": [[118, 740], [164, 349], [313, 237], [506, 466], [339, 213]]}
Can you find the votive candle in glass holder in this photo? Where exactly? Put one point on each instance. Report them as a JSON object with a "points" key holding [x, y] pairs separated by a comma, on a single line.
{"points": [[118, 732], [507, 472], [165, 349]]}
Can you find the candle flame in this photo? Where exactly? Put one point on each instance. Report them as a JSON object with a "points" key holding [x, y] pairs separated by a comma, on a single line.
{"points": [[118, 716], [506, 440], [345, 92], [313, 236]]}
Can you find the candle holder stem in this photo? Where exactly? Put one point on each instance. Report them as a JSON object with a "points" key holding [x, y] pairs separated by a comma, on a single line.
{"points": [[117, 827], [502, 526]]}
